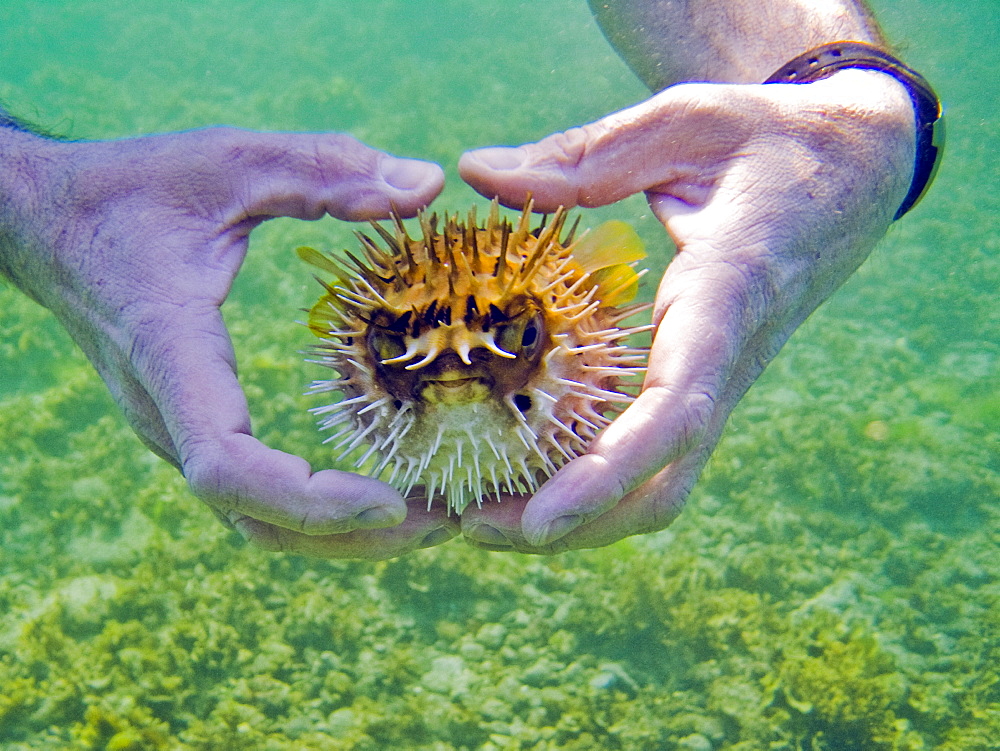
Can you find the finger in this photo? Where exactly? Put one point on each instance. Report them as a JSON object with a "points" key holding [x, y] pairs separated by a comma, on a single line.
{"points": [[678, 141], [308, 175], [186, 363], [420, 529], [694, 352], [649, 508], [496, 526]]}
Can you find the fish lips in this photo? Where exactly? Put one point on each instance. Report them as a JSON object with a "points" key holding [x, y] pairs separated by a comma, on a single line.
{"points": [[449, 379]]}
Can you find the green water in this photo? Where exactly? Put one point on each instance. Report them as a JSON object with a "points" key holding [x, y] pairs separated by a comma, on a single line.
{"points": [[834, 582]]}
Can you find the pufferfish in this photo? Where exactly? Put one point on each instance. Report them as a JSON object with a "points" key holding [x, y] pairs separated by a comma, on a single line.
{"points": [[476, 359]]}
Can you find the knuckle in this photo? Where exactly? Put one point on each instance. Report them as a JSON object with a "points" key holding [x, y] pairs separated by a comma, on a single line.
{"points": [[698, 409], [207, 477], [664, 508], [691, 413], [571, 146], [221, 144]]}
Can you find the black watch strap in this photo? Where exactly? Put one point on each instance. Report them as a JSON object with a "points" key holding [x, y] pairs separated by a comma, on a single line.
{"points": [[824, 61]]}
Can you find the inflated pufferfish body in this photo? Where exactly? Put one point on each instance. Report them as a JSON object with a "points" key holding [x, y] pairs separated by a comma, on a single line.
{"points": [[476, 359]]}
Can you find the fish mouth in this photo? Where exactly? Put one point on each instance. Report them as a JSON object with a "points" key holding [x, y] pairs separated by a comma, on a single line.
{"points": [[453, 379], [455, 386], [458, 383]]}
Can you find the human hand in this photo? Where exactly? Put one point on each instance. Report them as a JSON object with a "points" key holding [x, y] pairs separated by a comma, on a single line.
{"points": [[134, 244], [774, 195]]}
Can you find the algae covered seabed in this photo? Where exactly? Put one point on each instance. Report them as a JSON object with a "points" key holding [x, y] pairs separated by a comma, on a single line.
{"points": [[832, 584]]}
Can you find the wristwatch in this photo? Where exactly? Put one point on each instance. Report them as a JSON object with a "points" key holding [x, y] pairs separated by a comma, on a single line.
{"points": [[827, 59]]}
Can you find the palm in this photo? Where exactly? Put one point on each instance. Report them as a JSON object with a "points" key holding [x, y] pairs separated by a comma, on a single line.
{"points": [[134, 246], [773, 196]]}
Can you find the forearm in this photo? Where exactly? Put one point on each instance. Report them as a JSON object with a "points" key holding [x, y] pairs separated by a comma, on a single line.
{"points": [[11, 136], [729, 41], [23, 155], [10, 122]]}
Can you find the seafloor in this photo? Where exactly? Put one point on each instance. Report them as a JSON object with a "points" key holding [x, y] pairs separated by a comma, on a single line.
{"points": [[832, 584]]}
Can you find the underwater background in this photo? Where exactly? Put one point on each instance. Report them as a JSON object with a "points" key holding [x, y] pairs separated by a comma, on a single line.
{"points": [[834, 582]]}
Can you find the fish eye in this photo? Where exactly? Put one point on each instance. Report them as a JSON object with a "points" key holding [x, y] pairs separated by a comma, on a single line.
{"points": [[531, 337], [532, 333], [385, 345], [521, 336]]}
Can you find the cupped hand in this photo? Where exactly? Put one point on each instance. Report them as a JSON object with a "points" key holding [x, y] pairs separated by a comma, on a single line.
{"points": [[134, 244], [773, 195]]}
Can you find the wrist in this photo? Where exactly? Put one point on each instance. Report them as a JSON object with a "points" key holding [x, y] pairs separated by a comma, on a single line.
{"points": [[724, 41], [825, 60], [8, 121], [23, 156]]}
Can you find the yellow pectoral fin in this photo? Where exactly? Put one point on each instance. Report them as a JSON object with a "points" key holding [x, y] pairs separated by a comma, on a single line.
{"points": [[616, 285], [605, 253], [324, 316], [314, 258], [611, 243]]}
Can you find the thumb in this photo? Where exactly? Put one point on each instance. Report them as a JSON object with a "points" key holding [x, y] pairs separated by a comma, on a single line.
{"points": [[307, 175], [676, 143]]}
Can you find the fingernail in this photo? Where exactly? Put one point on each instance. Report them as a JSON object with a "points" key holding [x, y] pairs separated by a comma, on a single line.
{"points": [[558, 527], [439, 535], [500, 158], [403, 174], [488, 534], [376, 517]]}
